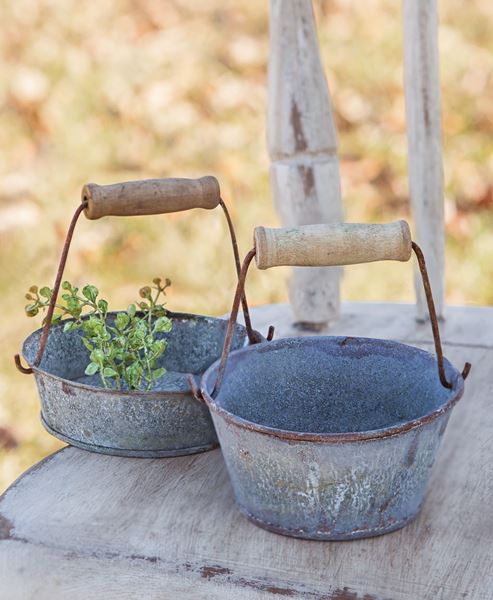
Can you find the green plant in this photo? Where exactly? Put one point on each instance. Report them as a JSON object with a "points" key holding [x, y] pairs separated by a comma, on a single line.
{"points": [[123, 349]]}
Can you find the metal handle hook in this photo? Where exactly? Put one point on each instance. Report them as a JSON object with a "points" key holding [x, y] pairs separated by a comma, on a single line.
{"points": [[434, 320], [20, 367]]}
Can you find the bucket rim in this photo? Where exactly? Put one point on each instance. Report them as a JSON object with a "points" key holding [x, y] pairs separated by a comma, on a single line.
{"points": [[331, 438], [142, 394]]}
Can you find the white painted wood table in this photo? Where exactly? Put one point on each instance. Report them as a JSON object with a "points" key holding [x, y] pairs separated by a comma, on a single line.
{"points": [[79, 525]]}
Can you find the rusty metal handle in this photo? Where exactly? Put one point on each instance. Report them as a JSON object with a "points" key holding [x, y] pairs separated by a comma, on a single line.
{"points": [[331, 244], [429, 297], [434, 320], [207, 197], [150, 197], [54, 296], [253, 336]]}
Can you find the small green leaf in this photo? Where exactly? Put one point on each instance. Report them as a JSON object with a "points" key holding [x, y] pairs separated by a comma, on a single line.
{"points": [[87, 344], [90, 292], [163, 324], [97, 355], [122, 320], [66, 285], [45, 292], [91, 368], [103, 306], [131, 310], [109, 372], [72, 303], [158, 373], [69, 326], [158, 347]]}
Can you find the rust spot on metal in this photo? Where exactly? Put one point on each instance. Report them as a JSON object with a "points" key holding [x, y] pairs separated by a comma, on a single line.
{"points": [[209, 572], [6, 528], [68, 389], [299, 136], [306, 174], [271, 589], [278, 591]]}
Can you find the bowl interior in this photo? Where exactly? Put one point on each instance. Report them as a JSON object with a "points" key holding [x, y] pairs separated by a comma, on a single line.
{"points": [[194, 343], [331, 384]]}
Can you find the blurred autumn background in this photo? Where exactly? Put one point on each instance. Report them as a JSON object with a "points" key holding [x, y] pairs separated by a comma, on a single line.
{"points": [[117, 90]]}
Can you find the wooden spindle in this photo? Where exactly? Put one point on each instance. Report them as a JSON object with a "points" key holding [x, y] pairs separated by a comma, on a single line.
{"points": [[423, 115], [302, 146]]}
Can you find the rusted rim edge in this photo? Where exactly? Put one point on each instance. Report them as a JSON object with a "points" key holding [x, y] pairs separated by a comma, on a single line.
{"points": [[148, 394], [333, 438]]}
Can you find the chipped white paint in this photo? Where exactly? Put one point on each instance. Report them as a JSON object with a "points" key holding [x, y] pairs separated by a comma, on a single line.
{"points": [[302, 146], [312, 494], [424, 135]]}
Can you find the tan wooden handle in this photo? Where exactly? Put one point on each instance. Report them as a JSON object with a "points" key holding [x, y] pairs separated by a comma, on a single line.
{"points": [[150, 197], [332, 244]]}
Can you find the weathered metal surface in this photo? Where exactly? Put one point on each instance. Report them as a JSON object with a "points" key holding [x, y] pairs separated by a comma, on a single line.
{"points": [[166, 421], [331, 438]]}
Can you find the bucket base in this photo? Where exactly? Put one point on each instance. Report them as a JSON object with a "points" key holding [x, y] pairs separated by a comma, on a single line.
{"points": [[327, 536], [124, 452]]}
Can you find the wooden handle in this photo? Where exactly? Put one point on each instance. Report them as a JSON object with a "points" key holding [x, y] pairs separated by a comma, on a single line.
{"points": [[329, 245], [150, 197]]}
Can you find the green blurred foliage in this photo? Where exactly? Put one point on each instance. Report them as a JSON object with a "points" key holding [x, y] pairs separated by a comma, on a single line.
{"points": [[117, 90]]}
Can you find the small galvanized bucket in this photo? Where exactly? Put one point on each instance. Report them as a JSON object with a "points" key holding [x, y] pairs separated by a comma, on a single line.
{"points": [[167, 421], [331, 438]]}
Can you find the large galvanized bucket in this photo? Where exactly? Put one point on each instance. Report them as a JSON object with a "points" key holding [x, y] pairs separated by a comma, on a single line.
{"points": [[167, 421], [331, 438]]}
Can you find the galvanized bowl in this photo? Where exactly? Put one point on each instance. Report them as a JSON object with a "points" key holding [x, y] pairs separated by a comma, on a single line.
{"points": [[167, 421], [330, 438]]}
